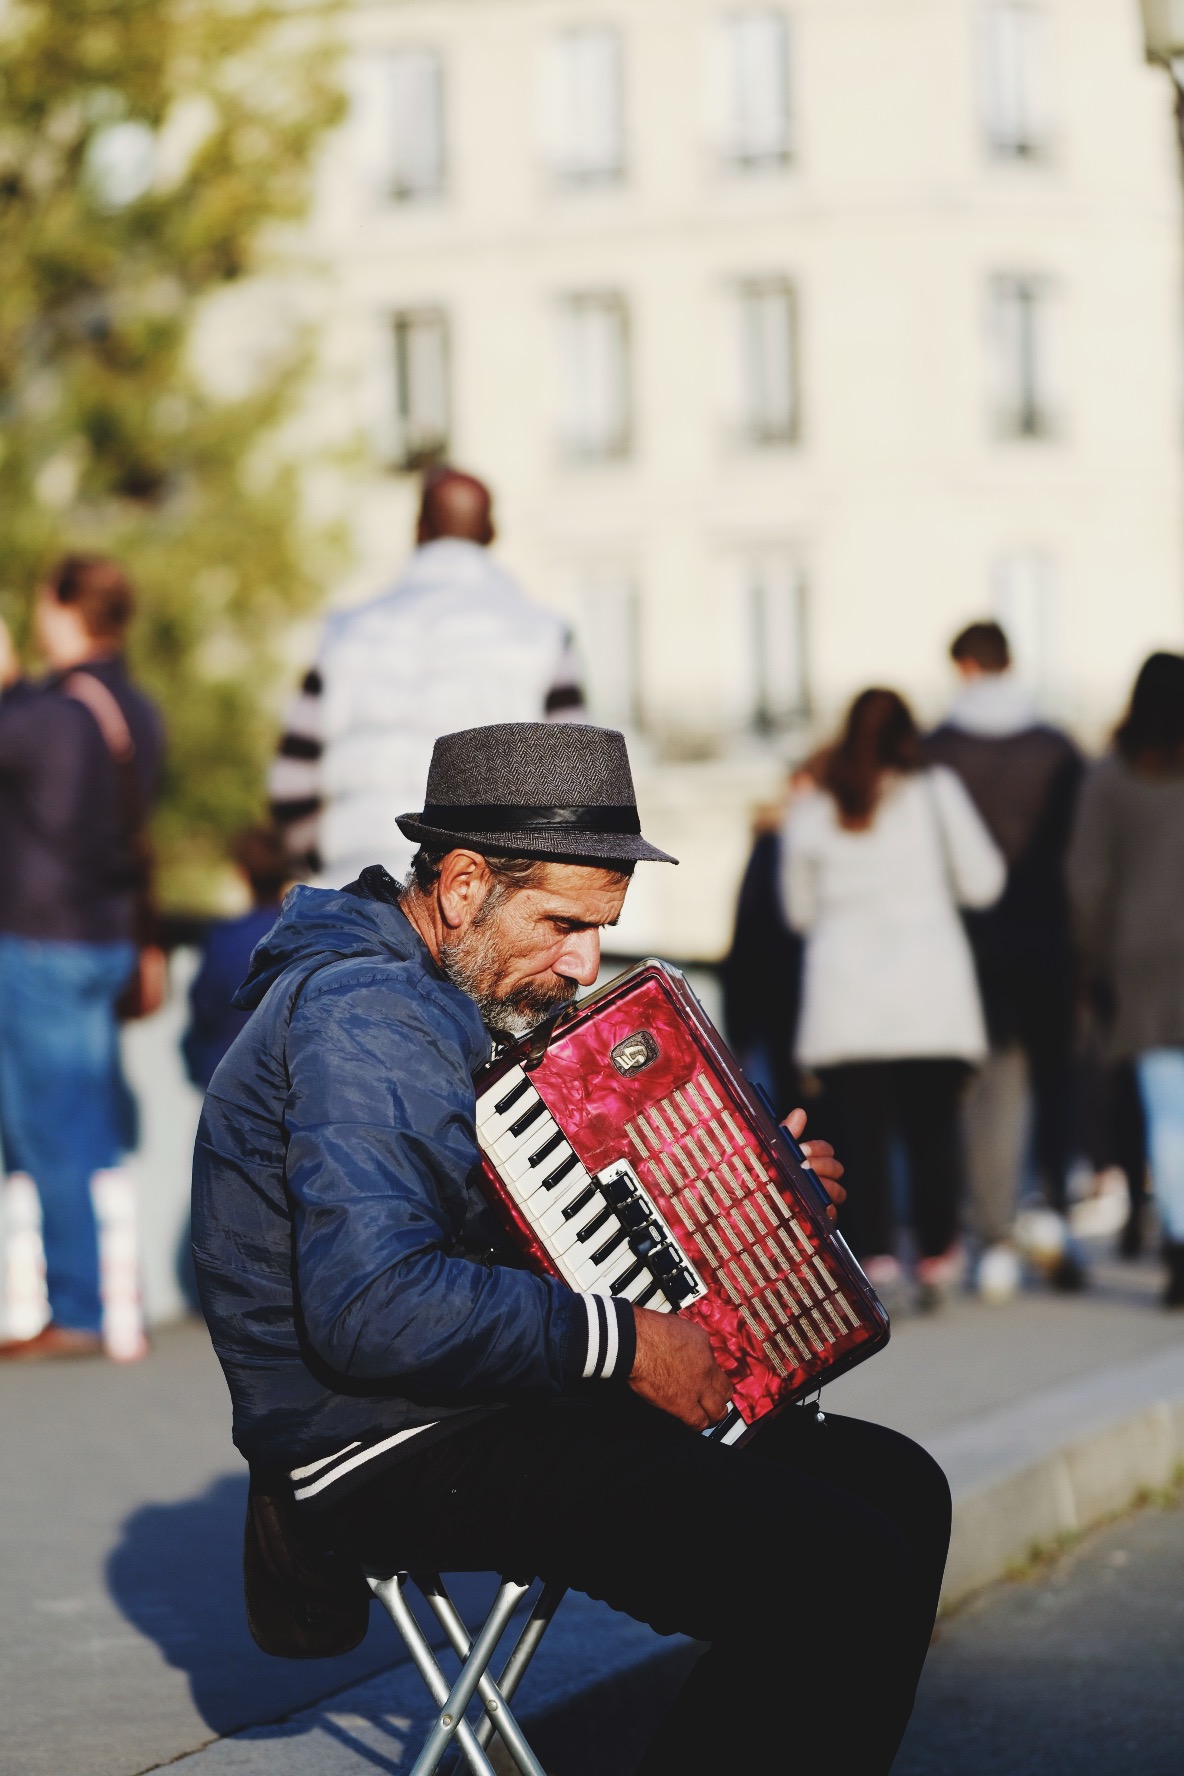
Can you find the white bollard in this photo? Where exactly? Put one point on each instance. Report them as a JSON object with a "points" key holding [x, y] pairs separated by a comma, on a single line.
{"points": [[26, 1304], [114, 1195]]}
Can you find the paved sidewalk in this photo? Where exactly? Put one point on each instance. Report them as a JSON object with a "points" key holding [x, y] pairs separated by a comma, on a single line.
{"points": [[122, 1643]]}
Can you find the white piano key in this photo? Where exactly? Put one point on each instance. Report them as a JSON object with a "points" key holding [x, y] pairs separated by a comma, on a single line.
{"points": [[602, 1276], [518, 1164], [565, 1236], [489, 1122], [637, 1287], [514, 1137], [547, 1222]]}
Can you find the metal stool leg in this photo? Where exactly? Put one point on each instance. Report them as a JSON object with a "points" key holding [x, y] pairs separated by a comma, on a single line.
{"points": [[496, 1696], [525, 1648], [389, 1592]]}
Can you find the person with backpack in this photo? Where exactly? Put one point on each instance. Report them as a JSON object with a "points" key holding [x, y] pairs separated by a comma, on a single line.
{"points": [[1023, 775], [80, 758], [878, 858]]}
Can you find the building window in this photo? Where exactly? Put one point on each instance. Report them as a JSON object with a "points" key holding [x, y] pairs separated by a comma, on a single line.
{"points": [[583, 107], [414, 100], [776, 600], [766, 354], [421, 403], [607, 614], [1023, 586], [1013, 80], [1020, 342], [752, 80], [594, 416]]}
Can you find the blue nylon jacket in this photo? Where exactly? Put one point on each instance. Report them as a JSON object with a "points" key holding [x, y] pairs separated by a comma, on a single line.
{"points": [[353, 1280]]}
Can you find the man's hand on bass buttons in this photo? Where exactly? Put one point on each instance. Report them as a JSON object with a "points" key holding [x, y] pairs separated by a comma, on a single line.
{"points": [[674, 1369], [821, 1155]]}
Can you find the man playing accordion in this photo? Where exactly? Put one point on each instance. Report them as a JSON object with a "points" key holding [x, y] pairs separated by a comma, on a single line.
{"points": [[409, 1395]]}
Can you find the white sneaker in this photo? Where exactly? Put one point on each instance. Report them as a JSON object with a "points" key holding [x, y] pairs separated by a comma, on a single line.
{"points": [[882, 1271], [999, 1274]]}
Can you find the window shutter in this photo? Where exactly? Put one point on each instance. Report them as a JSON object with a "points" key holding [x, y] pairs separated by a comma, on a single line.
{"points": [[594, 376], [582, 106], [753, 88], [415, 100]]}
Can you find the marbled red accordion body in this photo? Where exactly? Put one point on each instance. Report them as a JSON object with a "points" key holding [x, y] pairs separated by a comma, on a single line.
{"points": [[639, 1074]]}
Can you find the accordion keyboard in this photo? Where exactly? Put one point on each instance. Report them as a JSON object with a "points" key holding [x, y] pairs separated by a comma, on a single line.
{"points": [[604, 1234]]}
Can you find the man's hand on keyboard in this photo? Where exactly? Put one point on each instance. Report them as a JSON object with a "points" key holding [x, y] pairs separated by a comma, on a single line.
{"points": [[674, 1369]]}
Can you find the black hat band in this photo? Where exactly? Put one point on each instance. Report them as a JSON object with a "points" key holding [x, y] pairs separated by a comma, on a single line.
{"points": [[491, 817]]}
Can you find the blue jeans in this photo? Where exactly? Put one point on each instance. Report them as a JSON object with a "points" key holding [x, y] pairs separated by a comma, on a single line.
{"points": [[1161, 1086], [63, 1099]]}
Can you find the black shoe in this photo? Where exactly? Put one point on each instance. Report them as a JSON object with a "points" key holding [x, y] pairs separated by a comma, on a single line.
{"points": [[1130, 1240], [1069, 1275], [1173, 1295]]}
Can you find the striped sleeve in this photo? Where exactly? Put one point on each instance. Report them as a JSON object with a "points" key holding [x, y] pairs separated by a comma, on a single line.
{"points": [[294, 789], [565, 700], [609, 1345]]}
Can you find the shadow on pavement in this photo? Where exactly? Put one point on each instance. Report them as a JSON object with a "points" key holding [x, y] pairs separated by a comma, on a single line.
{"points": [[176, 1574]]}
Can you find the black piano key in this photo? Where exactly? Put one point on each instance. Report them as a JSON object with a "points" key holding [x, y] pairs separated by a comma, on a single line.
{"points": [[536, 1110], [511, 1097], [594, 1226], [610, 1245], [627, 1277], [647, 1295], [547, 1148], [560, 1172], [580, 1204]]}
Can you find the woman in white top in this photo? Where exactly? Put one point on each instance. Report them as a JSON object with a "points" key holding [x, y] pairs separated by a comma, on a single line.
{"points": [[878, 857]]}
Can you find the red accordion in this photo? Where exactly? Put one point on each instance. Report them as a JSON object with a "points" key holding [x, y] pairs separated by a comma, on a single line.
{"points": [[628, 1155]]}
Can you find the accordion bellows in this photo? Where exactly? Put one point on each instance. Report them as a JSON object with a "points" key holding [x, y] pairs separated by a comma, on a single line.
{"points": [[628, 1155]]}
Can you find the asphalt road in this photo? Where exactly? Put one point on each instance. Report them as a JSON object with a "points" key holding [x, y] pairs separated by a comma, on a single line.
{"points": [[1078, 1670]]}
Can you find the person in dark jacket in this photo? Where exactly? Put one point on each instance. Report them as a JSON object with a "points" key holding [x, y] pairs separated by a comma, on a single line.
{"points": [[406, 1391], [762, 971], [80, 756], [1023, 776], [214, 1019], [1126, 877]]}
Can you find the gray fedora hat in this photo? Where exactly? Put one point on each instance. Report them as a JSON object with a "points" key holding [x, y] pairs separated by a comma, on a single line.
{"points": [[533, 789]]}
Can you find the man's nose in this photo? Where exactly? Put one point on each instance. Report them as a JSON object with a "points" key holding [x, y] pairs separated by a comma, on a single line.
{"points": [[580, 958]]}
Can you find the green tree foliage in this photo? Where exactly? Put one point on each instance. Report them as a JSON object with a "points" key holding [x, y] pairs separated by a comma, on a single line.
{"points": [[150, 153]]}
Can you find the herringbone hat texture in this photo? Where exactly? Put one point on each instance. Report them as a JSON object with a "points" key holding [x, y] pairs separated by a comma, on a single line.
{"points": [[559, 790]]}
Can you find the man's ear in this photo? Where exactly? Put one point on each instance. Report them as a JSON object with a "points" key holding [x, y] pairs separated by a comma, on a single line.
{"points": [[465, 880]]}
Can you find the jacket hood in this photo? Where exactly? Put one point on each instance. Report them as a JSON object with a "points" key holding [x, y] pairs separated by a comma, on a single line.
{"points": [[316, 924]]}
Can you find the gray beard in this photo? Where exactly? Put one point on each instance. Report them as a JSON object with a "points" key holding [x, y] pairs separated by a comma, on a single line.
{"points": [[474, 964]]}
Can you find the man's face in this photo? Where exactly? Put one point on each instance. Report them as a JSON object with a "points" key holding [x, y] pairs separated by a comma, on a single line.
{"points": [[524, 952]]}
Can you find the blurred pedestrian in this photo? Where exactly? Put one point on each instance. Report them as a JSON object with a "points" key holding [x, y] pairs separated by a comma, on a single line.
{"points": [[878, 858], [762, 971], [214, 1021], [1126, 879], [80, 756], [1023, 776], [455, 643]]}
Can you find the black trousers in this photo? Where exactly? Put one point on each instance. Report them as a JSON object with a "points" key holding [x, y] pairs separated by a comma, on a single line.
{"points": [[811, 1560], [867, 1103]]}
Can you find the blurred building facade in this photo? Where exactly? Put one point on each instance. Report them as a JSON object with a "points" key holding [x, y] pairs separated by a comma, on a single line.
{"points": [[789, 336]]}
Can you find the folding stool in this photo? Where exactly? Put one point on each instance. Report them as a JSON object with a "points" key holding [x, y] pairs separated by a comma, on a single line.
{"points": [[476, 1656]]}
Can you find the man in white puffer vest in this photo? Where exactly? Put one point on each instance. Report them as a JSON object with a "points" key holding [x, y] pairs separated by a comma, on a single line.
{"points": [[455, 643]]}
